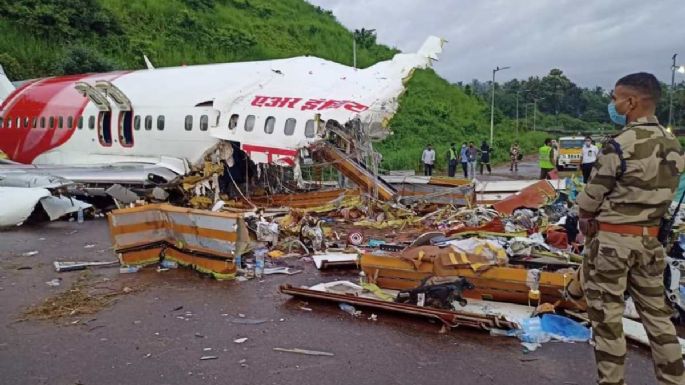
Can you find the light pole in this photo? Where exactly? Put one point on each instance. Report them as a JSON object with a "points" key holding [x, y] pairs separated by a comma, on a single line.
{"points": [[517, 112], [527, 105], [492, 104], [535, 108], [354, 52], [674, 68]]}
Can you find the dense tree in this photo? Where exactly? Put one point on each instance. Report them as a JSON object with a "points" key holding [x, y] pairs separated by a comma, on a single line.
{"points": [[366, 38]]}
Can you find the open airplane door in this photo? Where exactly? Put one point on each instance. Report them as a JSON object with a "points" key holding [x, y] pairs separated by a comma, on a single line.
{"points": [[95, 96], [104, 123], [123, 103], [113, 92]]}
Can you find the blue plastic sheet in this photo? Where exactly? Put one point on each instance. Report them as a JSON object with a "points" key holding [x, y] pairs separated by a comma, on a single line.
{"points": [[538, 330], [564, 329]]}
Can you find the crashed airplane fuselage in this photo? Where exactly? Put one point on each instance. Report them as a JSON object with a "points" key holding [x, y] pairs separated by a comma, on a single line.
{"points": [[172, 117]]}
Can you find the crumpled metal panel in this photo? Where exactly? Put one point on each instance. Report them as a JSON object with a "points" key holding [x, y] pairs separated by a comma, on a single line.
{"points": [[532, 197]]}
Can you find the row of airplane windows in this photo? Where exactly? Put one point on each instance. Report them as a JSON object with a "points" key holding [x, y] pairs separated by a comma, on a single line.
{"points": [[269, 125], [59, 122], [248, 124]]}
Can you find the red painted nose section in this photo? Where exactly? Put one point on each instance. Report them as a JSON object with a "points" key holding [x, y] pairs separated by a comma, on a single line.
{"points": [[51, 97]]}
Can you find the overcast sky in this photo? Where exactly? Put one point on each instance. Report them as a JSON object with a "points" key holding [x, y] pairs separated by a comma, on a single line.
{"points": [[593, 41]]}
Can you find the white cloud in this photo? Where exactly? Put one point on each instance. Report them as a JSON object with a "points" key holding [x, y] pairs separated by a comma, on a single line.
{"points": [[594, 42]]}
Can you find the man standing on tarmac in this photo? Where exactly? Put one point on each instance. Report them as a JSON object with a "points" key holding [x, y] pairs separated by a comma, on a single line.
{"points": [[629, 191], [485, 151], [546, 159], [452, 156], [588, 158], [428, 159], [473, 157], [464, 159]]}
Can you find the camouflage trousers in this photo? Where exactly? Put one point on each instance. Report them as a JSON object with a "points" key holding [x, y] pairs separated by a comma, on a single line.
{"points": [[615, 264]]}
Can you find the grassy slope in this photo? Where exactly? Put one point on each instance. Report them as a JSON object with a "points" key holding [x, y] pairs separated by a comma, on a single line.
{"points": [[173, 32]]}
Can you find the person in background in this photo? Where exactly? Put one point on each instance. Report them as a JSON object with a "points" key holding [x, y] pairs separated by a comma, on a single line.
{"points": [[588, 158], [428, 159], [555, 154], [473, 157], [546, 159], [452, 155], [514, 153], [464, 159], [485, 151]]}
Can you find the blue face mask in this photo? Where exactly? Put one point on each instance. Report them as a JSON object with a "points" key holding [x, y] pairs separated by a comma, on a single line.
{"points": [[615, 116]]}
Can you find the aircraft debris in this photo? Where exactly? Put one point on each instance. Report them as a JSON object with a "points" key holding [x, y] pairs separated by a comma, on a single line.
{"points": [[122, 194], [305, 352], [61, 267], [18, 203]]}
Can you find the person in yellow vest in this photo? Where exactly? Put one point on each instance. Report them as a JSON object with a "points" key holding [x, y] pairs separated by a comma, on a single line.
{"points": [[546, 159]]}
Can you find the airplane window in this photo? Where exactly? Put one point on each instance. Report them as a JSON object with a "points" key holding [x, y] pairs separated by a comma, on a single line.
{"points": [[8, 123], [217, 119], [148, 123], [290, 126], [18, 122], [189, 122], [91, 122], [26, 122], [0, 121], [309, 130], [34, 124], [80, 122], [160, 122], [233, 122], [249, 123], [136, 123], [42, 122], [204, 122], [60, 122], [70, 122], [52, 121], [269, 125]]}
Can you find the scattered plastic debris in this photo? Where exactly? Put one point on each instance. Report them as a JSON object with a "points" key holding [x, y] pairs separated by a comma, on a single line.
{"points": [[349, 309], [129, 269], [240, 340]]}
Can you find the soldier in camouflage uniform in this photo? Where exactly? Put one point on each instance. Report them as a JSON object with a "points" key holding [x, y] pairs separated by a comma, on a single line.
{"points": [[629, 191]]}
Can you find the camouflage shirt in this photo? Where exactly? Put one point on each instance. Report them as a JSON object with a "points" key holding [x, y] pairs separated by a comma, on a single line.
{"points": [[636, 175]]}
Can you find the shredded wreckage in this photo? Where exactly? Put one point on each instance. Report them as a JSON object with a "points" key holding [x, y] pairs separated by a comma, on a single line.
{"points": [[496, 256]]}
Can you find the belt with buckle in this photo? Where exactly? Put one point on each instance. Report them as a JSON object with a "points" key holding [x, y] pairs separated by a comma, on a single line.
{"points": [[635, 230]]}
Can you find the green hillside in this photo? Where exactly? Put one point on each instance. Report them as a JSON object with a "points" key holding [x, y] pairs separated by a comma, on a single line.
{"points": [[42, 37], [53, 37]]}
